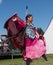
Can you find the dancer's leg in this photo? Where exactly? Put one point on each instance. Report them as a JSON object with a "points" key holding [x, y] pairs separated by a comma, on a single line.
{"points": [[44, 56], [27, 62]]}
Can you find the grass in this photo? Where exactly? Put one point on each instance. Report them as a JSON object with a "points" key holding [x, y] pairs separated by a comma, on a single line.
{"points": [[20, 61]]}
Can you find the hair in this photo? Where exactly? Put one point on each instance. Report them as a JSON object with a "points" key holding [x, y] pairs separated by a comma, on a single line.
{"points": [[28, 16]]}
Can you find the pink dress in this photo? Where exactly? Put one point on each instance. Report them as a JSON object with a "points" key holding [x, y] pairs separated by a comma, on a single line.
{"points": [[35, 48]]}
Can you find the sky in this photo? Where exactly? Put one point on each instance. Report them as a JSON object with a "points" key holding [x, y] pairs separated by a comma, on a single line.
{"points": [[42, 11]]}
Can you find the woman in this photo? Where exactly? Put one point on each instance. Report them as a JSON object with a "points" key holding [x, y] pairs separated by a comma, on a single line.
{"points": [[34, 48]]}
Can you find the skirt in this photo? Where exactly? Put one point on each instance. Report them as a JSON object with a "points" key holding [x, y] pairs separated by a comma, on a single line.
{"points": [[34, 48]]}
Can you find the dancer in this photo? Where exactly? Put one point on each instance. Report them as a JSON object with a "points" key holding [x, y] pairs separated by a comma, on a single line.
{"points": [[34, 48]]}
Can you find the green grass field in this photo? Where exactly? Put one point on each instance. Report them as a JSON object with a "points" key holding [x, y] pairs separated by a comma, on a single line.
{"points": [[20, 61]]}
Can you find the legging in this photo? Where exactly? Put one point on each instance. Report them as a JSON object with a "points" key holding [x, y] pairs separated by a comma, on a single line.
{"points": [[27, 62]]}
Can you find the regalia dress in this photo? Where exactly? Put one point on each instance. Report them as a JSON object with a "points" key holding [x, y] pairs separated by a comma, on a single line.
{"points": [[34, 47]]}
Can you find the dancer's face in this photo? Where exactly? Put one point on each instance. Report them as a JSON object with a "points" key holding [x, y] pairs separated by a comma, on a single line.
{"points": [[30, 19]]}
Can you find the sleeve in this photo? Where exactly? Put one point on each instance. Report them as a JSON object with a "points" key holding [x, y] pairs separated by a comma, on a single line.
{"points": [[37, 35]]}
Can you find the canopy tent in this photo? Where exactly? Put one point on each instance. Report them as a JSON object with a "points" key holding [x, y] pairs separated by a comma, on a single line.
{"points": [[49, 37]]}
